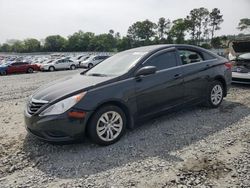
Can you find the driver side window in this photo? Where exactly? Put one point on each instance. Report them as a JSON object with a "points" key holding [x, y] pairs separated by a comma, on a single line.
{"points": [[163, 61]]}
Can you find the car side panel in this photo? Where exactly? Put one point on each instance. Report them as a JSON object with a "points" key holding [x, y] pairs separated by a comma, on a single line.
{"points": [[121, 91]]}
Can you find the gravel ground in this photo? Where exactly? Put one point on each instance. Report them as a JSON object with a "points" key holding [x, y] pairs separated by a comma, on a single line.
{"points": [[195, 147]]}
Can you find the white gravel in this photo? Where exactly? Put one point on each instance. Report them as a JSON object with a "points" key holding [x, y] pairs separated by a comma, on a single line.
{"points": [[195, 147]]}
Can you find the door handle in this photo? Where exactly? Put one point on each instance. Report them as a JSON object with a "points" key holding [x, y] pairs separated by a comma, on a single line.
{"points": [[177, 76]]}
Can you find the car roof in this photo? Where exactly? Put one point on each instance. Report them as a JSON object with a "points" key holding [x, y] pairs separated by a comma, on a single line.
{"points": [[161, 46]]}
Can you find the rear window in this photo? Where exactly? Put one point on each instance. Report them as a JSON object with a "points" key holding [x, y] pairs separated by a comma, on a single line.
{"points": [[188, 56]]}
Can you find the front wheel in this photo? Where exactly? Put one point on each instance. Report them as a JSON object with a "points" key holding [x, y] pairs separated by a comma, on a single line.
{"points": [[51, 69], [4, 73], [107, 125], [90, 66], [215, 94], [30, 70], [72, 67]]}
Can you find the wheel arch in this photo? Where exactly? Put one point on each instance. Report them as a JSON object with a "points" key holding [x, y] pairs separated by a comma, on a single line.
{"points": [[120, 104], [223, 81]]}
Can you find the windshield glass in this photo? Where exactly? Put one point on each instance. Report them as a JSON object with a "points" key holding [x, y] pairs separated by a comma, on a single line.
{"points": [[117, 64], [245, 56]]}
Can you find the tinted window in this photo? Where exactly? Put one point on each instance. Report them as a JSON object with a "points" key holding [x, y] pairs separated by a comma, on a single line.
{"points": [[163, 61], [117, 64], [188, 56]]}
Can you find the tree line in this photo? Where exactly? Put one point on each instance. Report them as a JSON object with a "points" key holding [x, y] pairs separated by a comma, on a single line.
{"points": [[198, 28]]}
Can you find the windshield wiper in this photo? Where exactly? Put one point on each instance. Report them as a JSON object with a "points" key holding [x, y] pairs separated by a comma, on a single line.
{"points": [[97, 74]]}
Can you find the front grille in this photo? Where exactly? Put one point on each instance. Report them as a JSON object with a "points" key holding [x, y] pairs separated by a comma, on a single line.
{"points": [[35, 105], [241, 80]]}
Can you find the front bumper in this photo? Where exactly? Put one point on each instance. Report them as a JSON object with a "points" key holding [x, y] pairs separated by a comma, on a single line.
{"points": [[241, 78], [56, 128]]}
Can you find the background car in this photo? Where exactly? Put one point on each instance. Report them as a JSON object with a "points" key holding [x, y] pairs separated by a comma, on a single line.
{"points": [[93, 60], [240, 56], [3, 69], [59, 64], [241, 69], [18, 67]]}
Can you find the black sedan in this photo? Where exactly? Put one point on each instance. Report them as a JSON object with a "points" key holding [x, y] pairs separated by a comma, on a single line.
{"points": [[124, 89]]}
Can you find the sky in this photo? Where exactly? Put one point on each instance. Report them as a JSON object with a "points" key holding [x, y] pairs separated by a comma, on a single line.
{"points": [[21, 19]]}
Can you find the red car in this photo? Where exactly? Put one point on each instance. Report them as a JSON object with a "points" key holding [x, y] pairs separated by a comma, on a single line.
{"points": [[21, 67]]}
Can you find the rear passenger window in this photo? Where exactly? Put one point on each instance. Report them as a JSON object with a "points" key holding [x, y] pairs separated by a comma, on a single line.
{"points": [[163, 61], [188, 56]]}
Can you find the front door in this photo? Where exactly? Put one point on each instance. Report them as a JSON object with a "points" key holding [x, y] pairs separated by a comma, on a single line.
{"points": [[161, 90]]}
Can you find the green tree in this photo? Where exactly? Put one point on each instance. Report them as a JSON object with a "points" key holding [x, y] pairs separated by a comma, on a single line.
{"points": [[163, 27], [55, 43], [197, 21], [142, 31], [17, 46], [215, 19], [5, 47], [79, 41], [32, 45], [103, 42], [216, 42], [178, 29], [244, 24], [124, 44]]}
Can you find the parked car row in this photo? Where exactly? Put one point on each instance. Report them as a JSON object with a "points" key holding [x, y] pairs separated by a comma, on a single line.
{"points": [[54, 62]]}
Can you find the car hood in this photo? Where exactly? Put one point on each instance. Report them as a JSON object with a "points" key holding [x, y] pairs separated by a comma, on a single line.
{"points": [[241, 46], [67, 86]]}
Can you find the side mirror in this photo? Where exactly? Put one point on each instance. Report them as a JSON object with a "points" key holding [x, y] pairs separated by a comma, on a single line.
{"points": [[146, 71]]}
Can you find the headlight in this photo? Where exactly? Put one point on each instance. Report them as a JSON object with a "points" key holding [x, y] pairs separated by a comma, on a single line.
{"points": [[62, 106]]}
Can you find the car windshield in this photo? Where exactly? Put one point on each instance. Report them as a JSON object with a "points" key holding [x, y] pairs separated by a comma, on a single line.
{"points": [[117, 64], [245, 56], [6, 64]]}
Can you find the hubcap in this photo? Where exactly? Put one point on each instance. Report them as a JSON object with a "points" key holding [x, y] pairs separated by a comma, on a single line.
{"points": [[109, 126], [216, 94]]}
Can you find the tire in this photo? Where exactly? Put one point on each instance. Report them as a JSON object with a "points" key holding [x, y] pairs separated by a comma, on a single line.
{"points": [[215, 94], [90, 65], [51, 69], [30, 70], [106, 127], [72, 67], [4, 73]]}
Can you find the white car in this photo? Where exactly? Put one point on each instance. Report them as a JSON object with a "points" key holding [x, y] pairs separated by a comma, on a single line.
{"points": [[93, 60], [58, 64]]}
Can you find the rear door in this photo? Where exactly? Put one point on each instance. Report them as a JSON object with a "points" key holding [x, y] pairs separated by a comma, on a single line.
{"points": [[161, 90], [195, 73]]}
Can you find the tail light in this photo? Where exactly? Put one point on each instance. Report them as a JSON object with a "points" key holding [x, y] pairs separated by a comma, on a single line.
{"points": [[228, 65]]}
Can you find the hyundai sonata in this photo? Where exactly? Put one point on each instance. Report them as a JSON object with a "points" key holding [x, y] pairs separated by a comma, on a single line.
{"points": [[124, 89]]}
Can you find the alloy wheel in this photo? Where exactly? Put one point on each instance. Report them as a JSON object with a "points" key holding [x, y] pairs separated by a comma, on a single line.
{"points": [[216, 94], [109, 126]]}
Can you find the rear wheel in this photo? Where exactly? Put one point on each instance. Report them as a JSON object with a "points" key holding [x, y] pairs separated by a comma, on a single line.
{"points": [[30, 70], [72, 67], [90, 65], [107, 125], [215, 94], [51, 68]]}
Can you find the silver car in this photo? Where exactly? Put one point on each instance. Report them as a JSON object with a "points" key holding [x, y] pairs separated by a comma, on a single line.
{"points": [[59, 64], [93, 60], [241, 69]]}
